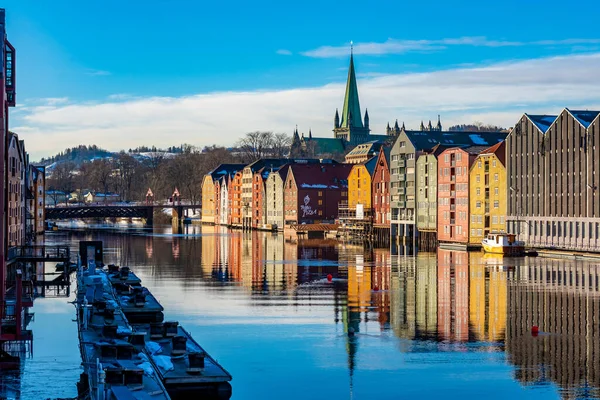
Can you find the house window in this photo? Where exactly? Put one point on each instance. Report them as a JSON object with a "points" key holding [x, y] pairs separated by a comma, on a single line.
{"points": [[496, 191], [478, 178], [495, 219], [493, 163], [478, 204], [479, 164], [402, 144], [320, 202], [496, 204], [320, 194], [496, 177], [320, 212], [478, 190]]}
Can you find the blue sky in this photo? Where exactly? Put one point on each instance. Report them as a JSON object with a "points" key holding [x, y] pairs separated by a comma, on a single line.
{"points": [[127, 73]]}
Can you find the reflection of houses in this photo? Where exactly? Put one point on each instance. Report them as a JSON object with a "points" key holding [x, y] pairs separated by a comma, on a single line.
{"points": [[413, 307], [563, 299], [487, 300], [453, 295]]}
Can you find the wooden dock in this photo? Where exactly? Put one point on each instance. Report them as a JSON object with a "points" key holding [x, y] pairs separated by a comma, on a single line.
{"points": [[164, 351]]}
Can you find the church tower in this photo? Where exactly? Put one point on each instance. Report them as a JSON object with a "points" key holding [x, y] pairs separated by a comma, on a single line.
{"points": [[349, 126]]}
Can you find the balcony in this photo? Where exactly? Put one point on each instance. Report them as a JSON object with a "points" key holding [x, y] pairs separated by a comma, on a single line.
{"points": [[401, 177], [452, 221], [401, 204], [452, 207], [401, 163], [401, 190], [452, 193]]}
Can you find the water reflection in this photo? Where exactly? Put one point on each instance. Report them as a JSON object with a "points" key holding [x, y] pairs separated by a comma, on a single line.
{"points": [[452, 314]]}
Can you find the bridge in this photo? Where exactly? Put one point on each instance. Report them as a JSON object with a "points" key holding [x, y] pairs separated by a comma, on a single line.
{"points": [[116, 211]]}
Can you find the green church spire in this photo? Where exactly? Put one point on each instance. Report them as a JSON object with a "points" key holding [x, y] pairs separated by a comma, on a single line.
{"points": [[351, 111]]}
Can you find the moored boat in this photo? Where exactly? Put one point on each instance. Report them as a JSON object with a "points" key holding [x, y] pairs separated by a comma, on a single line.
{"points": [[503, 243]]}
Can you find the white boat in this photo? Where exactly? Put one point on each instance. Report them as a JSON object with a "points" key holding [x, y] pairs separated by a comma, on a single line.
{"points": [[503, 243]]}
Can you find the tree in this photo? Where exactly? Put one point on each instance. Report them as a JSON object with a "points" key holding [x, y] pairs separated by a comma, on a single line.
{"points": [[101, 175], [281, 145], [255, 145], [61, 180]]}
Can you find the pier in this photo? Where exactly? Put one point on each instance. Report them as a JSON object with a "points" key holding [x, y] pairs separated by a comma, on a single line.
{"points": [[125, 346]]}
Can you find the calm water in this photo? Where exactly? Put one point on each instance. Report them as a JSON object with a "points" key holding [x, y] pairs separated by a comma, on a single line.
{"points": [[451, 324]]}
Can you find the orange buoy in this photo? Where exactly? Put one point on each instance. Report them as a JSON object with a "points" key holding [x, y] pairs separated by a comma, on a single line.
{"points": [[329, 278], [535, 330]]}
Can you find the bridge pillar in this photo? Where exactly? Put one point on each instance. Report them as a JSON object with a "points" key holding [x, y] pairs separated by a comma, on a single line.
{"points": [[149, 217]]}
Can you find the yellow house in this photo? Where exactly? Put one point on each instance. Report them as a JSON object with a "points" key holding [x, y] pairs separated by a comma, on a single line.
{"points": [[208, 199], [488, 193], [360, 184]]}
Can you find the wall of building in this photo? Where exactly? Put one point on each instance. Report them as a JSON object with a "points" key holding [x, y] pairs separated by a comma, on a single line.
{"points": [[235, 196], [555, 181], [381, 192], [225, 204], [487, 197], [274, 200], [453, 195], [402, 190], [359, 187], [258, 201], [427, 192], [208, 200]]}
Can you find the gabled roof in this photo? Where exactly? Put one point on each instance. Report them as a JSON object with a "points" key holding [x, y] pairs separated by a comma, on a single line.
{"points": [[351, 103], [366, 148], [225, 169], [499, 150], [584, 117], [266, 163], [543, 122], [370, 164], [330, 176], [427, 140]]}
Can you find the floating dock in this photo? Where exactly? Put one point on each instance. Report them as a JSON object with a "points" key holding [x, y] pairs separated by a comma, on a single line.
{"points": [[121, 330]]}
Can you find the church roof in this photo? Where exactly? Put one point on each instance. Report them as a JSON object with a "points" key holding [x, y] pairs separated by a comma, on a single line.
{"points": [[327, 145], [351, 103]]}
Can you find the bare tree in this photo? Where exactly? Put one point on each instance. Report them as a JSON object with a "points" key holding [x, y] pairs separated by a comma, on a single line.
{"points": [[101, 174], [281, 145], [256, 145], [61, 180]]}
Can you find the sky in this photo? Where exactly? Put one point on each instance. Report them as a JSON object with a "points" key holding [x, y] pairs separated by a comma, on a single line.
{"points": [[121, 74]]}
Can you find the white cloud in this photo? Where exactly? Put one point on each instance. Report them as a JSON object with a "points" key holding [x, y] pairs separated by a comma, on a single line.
{"points": [[284, 52], [496, 94], [396, 46]]}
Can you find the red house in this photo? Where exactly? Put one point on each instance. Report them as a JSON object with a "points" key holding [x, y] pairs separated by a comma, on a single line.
{"points": [[454, 165], [312, 193], [381, 189]]}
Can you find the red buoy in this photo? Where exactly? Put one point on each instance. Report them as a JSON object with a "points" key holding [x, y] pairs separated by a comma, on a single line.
{"points": [[535, 330], [329, 277], [376, 288]]}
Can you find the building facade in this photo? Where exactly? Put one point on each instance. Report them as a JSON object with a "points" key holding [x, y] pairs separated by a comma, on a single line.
{"points": [[274, 198], [454, 165], [553, 172], [235, 200], [426, 193], [381, 189], [488, 193], [312, 193], [408, 147], [209, 192]]}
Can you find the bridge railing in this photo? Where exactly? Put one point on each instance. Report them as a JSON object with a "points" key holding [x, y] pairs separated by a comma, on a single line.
{"points": [[39, 252]]}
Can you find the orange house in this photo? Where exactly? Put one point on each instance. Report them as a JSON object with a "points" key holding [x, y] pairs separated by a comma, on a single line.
{"points": [[235, 199], [454, 165]]}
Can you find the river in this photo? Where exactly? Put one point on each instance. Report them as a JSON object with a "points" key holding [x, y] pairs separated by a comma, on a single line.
{"points": [[446, 324]]}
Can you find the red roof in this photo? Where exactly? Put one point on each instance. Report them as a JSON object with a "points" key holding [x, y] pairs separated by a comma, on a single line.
{"points": [[324, 176], [499, 149]]}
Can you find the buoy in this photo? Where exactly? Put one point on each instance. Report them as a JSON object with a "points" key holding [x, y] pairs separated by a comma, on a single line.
{"points": [[376, 288], [535, 330], [329, 277]]}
